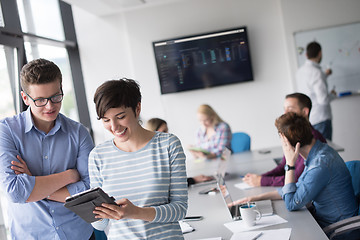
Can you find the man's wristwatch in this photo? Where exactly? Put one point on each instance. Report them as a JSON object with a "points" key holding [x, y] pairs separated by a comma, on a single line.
{"points": [[288, 167]]}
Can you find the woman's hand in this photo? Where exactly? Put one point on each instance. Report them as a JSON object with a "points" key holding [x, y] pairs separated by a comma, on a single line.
{"points": [[20, 167], [291, 153], [124, 210]]}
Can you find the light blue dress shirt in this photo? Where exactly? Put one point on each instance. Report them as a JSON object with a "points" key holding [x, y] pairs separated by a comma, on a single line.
{"points": [[66, 146], [326, 182]]}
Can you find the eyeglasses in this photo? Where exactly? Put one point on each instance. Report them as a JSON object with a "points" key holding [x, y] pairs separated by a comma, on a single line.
{"points": [[40, 102]]}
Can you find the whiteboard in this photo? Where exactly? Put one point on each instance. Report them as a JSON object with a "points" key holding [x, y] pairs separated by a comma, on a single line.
{"points": [[341, 52]]}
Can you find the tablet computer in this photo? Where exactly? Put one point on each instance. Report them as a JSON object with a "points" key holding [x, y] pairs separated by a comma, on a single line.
{"points": [[84, 203]]}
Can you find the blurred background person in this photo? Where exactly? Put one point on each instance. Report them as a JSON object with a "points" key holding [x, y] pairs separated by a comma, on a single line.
{"points": [[213, 136], [312, 81], [300, 104]]}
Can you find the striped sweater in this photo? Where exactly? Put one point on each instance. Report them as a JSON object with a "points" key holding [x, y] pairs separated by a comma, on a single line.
{"points": [[154, 176]]}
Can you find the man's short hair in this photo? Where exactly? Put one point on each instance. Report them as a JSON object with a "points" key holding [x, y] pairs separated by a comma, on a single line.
{"points": [[117, 93], [39, 71], [313, 49], [303, 100], [295, 128]]}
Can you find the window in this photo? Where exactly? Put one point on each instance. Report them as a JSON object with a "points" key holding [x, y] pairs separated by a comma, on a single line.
{"points": [[8, 76], [41, 18]]}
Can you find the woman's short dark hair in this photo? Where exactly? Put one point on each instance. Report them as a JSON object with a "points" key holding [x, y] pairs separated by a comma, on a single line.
{"points": [[295, 128], [116, 93]]}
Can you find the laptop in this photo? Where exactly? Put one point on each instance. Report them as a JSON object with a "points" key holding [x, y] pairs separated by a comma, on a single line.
{"points": [[221, 169], [264, 206]]}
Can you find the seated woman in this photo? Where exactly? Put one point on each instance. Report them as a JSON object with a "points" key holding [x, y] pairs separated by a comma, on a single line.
{"points": [[143, 170], [160, 125], [325, 181], [213, 136]]}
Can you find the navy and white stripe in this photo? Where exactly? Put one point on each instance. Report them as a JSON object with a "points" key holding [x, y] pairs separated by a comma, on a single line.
{"points": [[154, 176]]}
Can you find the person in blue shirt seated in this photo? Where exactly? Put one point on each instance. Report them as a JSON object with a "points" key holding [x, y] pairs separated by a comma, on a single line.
{"points": [[44, 159], [325, 181]]}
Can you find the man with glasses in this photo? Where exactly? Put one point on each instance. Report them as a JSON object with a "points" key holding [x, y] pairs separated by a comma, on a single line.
{"points": [[43, 159]]}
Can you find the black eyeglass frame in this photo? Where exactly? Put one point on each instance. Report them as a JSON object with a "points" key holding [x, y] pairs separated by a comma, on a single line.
{"points": [[49, 98]]}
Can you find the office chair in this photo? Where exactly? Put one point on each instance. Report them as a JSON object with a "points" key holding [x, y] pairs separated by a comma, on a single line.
{"points": [[347, 225], [240, 142]]}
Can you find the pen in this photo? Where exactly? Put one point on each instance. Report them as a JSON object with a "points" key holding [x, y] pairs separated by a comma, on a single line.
{"points": [[257, 236]]}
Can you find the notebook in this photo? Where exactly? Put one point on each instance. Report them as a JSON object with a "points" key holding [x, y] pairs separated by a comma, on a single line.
{"points": [[264, 206]]}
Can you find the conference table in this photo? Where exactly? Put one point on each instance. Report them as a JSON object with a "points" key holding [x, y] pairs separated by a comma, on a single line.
{"points": [[213, 208]]}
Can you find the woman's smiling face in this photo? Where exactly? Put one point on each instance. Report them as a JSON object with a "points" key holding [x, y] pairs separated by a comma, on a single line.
{"points": [[121, 122]]}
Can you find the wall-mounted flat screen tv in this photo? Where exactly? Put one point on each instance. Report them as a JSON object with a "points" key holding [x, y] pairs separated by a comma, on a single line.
{"points": [[205, 60]]}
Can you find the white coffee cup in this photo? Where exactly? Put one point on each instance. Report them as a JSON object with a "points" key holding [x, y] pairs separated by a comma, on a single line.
{"points": [[250, 214]]}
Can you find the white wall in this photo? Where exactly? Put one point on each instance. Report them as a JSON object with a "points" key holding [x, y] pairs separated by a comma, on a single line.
{"points": [[104, 55], [120, 45], [250, 107]]}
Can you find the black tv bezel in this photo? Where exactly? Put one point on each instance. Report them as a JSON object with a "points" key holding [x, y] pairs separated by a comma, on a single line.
{"points": [[200, 35]]}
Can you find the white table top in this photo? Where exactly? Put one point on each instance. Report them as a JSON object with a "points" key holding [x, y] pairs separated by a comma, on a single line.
{"points": [[214, 211]]}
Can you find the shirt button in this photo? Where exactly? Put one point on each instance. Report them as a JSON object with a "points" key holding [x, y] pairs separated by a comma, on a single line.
{"points": [[46, 157], [57, 228], [52, 211]]}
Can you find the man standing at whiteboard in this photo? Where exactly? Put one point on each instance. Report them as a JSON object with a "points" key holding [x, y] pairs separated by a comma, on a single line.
{"points": [[311, 80]]}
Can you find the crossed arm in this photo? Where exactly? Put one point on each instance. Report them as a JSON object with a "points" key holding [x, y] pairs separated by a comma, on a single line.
{"points": [[51, 186]]}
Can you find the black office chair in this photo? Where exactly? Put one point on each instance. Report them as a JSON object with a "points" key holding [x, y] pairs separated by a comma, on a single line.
{"points": [[348, 226]]}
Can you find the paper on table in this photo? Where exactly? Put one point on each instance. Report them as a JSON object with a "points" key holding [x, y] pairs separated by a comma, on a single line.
{"points": [[243, 185], [278, 234], [185, 227], [239, 226], [215, 238]]}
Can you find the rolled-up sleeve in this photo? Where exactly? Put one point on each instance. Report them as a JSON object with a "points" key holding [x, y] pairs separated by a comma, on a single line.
{"points": [[85, 147], [17, 188], [298, 195]]}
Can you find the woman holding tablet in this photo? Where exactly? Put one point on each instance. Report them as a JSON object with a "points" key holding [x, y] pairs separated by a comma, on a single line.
{"points": [[213, 136], [143, 170]]}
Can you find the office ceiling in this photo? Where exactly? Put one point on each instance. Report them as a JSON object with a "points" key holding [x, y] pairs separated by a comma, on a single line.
{"points": [[108, 7]]}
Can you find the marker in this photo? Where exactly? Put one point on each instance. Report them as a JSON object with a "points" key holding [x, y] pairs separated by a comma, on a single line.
{"points": [[257, 236], [341, 94]]}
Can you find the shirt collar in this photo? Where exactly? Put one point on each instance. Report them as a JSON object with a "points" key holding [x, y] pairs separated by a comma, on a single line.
{"points": [[29, 122], [313, 151], [315, 64]]}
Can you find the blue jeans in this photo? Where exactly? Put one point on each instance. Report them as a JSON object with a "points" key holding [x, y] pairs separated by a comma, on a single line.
{"points": [[325, 128]]}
